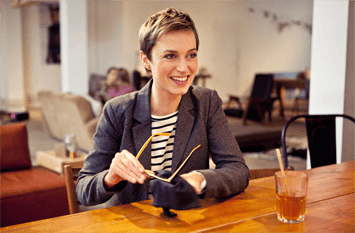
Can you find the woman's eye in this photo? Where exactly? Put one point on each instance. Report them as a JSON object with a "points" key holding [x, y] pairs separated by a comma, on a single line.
{"points": [[170, 56], [193, 55]]}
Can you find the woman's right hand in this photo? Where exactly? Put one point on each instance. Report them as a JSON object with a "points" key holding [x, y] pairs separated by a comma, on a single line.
{"points": [[124, 166]]}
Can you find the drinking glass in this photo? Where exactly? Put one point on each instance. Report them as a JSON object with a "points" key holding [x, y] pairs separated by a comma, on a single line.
{"points": [[291, 192], [71, 144]]}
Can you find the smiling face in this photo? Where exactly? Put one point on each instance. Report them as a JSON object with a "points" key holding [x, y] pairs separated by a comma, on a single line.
{"points": [[173, 64], [111, 77]]}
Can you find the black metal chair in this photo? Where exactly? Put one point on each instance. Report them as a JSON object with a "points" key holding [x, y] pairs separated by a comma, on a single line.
{"points": [[321, 137]]}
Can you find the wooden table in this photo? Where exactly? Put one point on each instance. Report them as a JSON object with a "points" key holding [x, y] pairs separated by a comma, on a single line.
{"points": [[49, 160], [203, 77], [330, 208], [280, 83]]}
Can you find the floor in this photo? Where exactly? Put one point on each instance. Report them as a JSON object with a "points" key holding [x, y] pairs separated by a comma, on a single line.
{"points": [[39, 139], [295, 138]]}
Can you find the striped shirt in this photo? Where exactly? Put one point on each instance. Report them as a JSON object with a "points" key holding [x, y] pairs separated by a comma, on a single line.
{"points": [[162, 146]]}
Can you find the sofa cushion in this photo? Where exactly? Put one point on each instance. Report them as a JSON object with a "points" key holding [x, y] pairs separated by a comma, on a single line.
{"points": [[32, 194], [96, 105], [49, 113], [66, 114], [14, 147], [23, 182], [80, 113]]}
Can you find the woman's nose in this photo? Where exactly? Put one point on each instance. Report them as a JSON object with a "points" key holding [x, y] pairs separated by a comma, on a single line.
{"points": [[182, 65]]}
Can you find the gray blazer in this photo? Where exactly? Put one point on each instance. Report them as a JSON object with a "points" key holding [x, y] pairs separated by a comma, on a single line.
{"points": [[126, 124]]}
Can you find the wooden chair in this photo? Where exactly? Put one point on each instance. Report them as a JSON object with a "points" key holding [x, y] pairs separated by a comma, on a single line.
{"points": [[261, 173], [71, 174], [259, 101]]}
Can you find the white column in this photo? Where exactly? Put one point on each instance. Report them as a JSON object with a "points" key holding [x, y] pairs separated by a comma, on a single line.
{"points": [[12, 92], [348, 149], [74, 46], [328, 61]]}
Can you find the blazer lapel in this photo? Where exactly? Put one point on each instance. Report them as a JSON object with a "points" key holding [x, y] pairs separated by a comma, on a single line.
{"points": [[142, 127], [184, 126]]}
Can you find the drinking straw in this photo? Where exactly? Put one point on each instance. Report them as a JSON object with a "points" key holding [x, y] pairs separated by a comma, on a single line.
{"points": [[282, 169]]}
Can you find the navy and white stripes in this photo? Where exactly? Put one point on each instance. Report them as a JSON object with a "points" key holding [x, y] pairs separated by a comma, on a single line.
{"points": [[162, 146]]}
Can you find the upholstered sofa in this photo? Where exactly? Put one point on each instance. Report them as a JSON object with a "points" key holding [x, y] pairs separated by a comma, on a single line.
{"points": [[27, 193], [70, 113]]}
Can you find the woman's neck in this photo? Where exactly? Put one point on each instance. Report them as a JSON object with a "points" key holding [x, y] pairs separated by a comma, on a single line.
{"points": [[109, 83], [163, 105]]}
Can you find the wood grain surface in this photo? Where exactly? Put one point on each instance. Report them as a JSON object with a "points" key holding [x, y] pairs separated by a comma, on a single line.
{"points": [[334, 215], [330, 207]]}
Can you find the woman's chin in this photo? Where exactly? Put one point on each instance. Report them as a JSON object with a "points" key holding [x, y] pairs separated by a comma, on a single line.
{"points": [[181, 91]]}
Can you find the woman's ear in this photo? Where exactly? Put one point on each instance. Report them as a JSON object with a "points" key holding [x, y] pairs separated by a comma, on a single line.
{"points": [[145, 61]]}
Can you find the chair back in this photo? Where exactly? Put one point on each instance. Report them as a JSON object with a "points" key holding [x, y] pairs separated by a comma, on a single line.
{"points": [[265, 172], [262, 87], [321, 135], [261, 173], [14, 152], [259, 100], [71, 174], [94, 79]]}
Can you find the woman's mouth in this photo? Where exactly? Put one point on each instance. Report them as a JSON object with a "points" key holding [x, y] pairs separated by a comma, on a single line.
{"points": [[180, 79]]}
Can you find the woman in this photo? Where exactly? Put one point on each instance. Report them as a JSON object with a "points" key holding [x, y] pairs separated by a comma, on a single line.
{"points": [[115, 84], [168, 103], [121, 85]]}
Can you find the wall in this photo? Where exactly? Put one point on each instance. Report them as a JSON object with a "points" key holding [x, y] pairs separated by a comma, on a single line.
{"points": [[105, 36], [11, 72], [74, 46], [23, 47], [39, 75], [235, 43]]}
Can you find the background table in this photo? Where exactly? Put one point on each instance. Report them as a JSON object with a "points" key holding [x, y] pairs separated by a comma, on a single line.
{"points": [[330, 208], [280, 83], [49, 160]]}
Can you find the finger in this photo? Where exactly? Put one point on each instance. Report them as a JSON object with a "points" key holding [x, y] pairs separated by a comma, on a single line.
{"points": [[133, 164], [112, 178], [119, 169], [127, 170], [133, 160], [129, 175], [116, 172]]}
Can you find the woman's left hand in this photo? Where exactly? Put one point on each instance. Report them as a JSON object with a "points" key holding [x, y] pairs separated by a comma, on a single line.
{"points": [[195, 179]]}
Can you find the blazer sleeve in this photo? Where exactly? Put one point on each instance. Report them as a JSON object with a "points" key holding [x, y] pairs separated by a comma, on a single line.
{"points": [[231, 175], [90, 187]]}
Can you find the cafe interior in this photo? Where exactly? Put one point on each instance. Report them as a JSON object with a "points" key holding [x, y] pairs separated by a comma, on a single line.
{"points": [[270, 62]]}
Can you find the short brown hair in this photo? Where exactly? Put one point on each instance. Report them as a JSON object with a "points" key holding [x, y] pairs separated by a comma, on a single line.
{"points": [[111, 68], [123, 75], [162, 22]]}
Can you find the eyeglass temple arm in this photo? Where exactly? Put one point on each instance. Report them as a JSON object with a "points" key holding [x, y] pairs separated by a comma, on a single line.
{"points": [[177, 170], [147, 142]]}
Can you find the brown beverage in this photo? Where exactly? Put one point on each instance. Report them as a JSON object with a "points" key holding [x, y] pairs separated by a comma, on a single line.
{"points": [[291, 192], [290, 207]]}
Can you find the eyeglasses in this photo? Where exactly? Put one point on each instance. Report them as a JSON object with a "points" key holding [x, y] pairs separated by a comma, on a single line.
{"points": [[151, 173]]}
